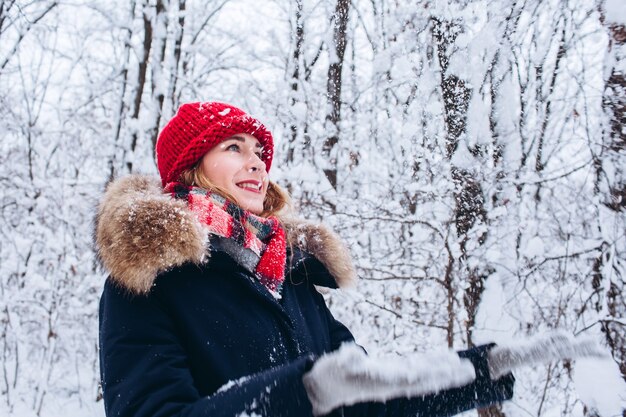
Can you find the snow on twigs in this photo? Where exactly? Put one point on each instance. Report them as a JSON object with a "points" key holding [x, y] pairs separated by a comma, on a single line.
{"points": [[545, 244], [599, 385]]}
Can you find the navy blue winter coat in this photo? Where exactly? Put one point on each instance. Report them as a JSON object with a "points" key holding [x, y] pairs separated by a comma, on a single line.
{"points": [[198, 336]]}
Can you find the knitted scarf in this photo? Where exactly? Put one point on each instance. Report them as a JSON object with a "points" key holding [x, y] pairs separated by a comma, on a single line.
{"points": [[256, 243]]}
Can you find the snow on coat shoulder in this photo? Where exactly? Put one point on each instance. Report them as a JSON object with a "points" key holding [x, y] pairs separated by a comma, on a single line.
{"points": [[141, 232]]}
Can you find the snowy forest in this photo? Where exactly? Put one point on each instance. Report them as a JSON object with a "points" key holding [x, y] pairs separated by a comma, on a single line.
{"points": [[470, 152]]}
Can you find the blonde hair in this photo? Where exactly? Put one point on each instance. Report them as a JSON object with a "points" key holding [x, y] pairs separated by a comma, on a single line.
{"points": [[277, 201]]}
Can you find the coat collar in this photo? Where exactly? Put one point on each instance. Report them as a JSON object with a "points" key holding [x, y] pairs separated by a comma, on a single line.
{"points": [[141, 232]]}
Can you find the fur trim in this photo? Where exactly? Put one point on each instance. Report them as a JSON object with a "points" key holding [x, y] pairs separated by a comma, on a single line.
{"points": [[325, 245], [141, 232]]}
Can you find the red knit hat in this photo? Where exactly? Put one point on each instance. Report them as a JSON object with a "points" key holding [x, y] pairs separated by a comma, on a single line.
{"points": [[197, 128]]}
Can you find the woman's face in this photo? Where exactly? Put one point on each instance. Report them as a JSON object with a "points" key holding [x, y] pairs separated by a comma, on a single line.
{"points": [[235, 166]]}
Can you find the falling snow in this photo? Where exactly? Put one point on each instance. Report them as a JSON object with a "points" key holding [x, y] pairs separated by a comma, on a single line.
{"points": [[478, 172]]}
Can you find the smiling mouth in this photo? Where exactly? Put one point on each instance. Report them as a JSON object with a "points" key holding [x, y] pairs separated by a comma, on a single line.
{"points": [[250, 186]]}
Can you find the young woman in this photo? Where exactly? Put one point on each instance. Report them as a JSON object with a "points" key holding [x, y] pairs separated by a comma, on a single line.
{"points": [[211, 307]]}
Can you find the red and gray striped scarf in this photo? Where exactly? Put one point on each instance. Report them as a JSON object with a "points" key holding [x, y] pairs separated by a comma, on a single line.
{"points": [[259, 242]]}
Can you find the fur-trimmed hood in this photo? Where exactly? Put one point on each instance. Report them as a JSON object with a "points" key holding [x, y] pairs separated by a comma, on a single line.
{"points": [[141, 232]]}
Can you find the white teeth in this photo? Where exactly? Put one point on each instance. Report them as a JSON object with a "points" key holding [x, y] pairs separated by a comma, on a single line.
{"points": [[249, 185]]}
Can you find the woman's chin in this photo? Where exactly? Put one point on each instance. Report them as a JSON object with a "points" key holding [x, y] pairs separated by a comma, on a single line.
{"points": [[253, 205]]}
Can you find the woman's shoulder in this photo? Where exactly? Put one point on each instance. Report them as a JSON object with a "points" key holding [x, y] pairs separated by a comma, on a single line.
{"points": [[316, 243], [141, 232]]}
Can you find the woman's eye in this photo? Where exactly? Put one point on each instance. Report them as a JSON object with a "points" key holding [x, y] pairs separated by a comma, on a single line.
{"points": [[259, 154], [233, 147]]}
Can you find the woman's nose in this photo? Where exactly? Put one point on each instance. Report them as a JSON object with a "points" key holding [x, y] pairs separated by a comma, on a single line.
{"points": [[256, 163]]}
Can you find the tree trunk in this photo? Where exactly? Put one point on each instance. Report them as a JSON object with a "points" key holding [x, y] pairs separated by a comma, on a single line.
{"points": [[141, 77], [298, 41], [612, 189], [333, 89]]}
